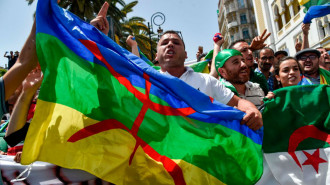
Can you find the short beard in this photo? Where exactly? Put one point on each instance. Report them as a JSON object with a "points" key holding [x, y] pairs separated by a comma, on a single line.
{"points": [[238, 82]]}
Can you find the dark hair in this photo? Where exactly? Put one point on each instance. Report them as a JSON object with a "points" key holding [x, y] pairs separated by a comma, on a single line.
{"points": [[277, 66], [155, 62], [201, 56], [267, 48], [173, 32], [235, 42]]}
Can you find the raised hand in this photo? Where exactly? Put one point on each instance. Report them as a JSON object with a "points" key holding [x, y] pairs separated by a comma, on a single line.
{"points": [[131, 41], [305, 28], [33, 81], [100, 22], [218, 39], [298, 45], [258, 42]]}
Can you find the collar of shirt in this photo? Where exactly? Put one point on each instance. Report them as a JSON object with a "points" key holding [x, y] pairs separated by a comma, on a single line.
{"points": [[184, 75]]}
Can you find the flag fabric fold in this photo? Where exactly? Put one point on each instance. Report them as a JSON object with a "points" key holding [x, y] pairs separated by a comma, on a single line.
{"points": [[297, 132], [104, 110], [315, 9]]}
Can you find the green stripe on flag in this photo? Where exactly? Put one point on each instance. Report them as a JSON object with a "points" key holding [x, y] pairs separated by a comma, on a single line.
{"points": [[293, 108], [313, 3]]}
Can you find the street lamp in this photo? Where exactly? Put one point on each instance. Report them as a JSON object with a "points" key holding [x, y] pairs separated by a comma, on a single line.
{"points": [[159, 30]]}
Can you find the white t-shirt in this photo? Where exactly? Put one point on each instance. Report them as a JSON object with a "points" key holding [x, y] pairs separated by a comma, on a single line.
{"points": [[206, 84], [253, 93]]}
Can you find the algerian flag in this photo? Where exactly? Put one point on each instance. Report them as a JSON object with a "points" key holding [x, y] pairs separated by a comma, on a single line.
{"points": [[296, 137]]}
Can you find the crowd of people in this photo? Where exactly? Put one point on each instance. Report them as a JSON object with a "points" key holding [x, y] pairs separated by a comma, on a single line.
{"points": [[11, 58], [234, 77]]}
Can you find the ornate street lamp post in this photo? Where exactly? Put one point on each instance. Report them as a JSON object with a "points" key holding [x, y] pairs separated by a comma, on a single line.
{"points": [[157, 15]]}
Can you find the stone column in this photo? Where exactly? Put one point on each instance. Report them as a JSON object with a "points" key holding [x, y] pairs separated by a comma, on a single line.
{"points": [[326, 26], [290, 5], [282, 13], [276, 24]]}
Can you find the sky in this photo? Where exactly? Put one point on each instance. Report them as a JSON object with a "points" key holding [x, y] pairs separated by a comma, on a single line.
{"points": [[196, 19]]}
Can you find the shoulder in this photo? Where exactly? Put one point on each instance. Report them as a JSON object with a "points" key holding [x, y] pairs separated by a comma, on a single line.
{"points": [[253, 86], [202, 76]]}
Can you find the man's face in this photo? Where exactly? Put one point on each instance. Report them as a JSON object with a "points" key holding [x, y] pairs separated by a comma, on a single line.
{"points": [[309, 62], [235, 70], [324, 58], [266, 59], [279, 56], [243, 47], [170, 51]]}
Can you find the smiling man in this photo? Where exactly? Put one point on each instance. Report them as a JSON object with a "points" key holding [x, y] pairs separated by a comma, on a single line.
{"points": [[232, 68], [324, 59], [171, 55], [309, 59], [265, 62], [247, 52]]}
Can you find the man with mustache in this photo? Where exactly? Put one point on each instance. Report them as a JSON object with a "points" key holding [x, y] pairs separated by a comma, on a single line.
{"points": [[234, 73], [309, 59], [247, 52], [324, 59], [171, 55], [265, 62]]}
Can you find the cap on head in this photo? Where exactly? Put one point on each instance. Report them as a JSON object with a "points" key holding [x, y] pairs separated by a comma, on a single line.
{"points": [[308, 50], [281, 52], [224, 55]]}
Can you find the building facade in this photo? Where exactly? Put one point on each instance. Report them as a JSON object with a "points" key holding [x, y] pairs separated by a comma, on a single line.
{"points": [[283, 18], [236, 20]]}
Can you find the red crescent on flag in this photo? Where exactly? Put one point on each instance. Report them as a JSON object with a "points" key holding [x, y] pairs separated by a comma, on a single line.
{"points": [[302, 133]]}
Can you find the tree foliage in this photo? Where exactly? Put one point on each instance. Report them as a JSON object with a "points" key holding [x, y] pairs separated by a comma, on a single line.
{"points": [[118, 11]]}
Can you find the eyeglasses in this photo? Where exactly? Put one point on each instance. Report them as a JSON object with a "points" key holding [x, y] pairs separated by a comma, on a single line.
{"points": [[311, 57], [271, 58]]}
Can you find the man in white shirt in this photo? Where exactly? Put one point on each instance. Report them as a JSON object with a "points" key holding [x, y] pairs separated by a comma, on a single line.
{"points": [[171, 55]]}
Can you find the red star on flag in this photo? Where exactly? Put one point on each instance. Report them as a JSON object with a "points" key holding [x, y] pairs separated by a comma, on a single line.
{"points": [[314, 160]]}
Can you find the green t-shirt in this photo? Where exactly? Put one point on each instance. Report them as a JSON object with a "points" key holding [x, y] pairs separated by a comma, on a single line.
{"points": [[259, 79]]}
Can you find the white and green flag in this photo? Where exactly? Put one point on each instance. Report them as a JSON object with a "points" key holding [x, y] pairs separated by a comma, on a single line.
{"points": [[297, 135]]}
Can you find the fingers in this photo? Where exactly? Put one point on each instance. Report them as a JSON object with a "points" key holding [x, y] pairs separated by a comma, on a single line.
{"points": [[103, 11], [263, 34], [18, 157], [131, 41], [253, 120], [267, 36], [105, 23]]}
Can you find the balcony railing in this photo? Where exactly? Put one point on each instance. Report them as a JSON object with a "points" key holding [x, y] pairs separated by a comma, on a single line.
{"points": [[232, 24]]}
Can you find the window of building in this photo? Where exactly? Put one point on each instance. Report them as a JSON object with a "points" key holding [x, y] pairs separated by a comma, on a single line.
{"points": [[278, 16], [243, 19], [321, 29], [241, 3], [286, 11], [296, 7], [246, 34]]}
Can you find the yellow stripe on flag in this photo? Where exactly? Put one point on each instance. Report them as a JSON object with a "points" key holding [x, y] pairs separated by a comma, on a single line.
{"points": [[106, 154], [202, 177], [322, 80], [302, 2]]}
